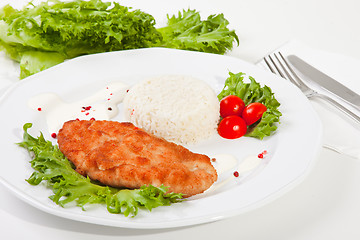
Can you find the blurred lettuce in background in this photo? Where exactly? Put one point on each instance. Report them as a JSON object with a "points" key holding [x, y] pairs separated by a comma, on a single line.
{"points": [[44, 35]]}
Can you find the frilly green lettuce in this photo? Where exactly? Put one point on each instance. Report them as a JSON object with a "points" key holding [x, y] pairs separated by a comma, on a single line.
{"points": [[188, 31], [73, 28]]}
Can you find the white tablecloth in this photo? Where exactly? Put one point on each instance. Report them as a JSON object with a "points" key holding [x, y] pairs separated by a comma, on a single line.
{"points": [[324, 206]]}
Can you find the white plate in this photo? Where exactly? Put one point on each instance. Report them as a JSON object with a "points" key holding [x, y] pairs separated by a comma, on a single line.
{"points": [[291, 151]]}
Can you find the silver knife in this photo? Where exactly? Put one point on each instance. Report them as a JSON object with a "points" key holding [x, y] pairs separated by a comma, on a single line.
{"points": [[325, 81]]}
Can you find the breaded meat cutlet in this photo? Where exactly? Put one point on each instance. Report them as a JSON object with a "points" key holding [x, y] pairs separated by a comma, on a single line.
{"points": [[119, 154]]}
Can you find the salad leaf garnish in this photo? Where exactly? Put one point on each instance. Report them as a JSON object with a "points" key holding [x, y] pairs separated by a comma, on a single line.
{"points": [[188, 31], [57, 171], [253, 92], [69, 29]]}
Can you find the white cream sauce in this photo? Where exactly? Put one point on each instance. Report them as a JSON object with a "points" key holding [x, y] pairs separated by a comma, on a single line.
{"points": [[248, 164], [100, 106], [226, 162]]}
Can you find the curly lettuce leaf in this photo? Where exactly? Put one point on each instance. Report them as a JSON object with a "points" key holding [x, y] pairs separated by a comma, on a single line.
{"points": [[79, 27], [253, 92], [188, 31], [75, 28], [51, 166]]}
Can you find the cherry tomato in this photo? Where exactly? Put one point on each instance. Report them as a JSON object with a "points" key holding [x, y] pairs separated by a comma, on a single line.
{"points": [[232, 127], [231, 105], [253, 112]]}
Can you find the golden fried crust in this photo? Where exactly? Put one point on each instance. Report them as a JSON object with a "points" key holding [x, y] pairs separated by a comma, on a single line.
{"points": [[119, 154]]}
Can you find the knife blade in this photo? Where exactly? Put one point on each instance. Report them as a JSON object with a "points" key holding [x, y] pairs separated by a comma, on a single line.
{"points": [[325, 81]]}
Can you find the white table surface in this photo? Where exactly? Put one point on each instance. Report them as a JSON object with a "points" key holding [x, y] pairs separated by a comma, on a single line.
{"points": [[326, 205]]}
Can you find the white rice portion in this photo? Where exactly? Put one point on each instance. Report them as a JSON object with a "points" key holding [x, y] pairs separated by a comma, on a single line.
{"points": [[180, 109]]}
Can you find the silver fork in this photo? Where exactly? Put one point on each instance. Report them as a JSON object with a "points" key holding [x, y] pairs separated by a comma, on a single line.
{"points": [[277, 64]]}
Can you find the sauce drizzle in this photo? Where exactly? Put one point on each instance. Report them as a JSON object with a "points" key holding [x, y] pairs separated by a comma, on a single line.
{"points": [[101, 106]]}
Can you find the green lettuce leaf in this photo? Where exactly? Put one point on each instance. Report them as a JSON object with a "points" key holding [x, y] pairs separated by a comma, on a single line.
{"points": [[75, 28], [51, 166], [253, 92], [188, 31], [36, 61], [79, 27]]}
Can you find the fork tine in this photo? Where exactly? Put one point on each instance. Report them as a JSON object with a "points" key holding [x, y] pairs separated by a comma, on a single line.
{"points": [[276, 66], [281, 69], [284, 68], [269, 65], [298, 79]]}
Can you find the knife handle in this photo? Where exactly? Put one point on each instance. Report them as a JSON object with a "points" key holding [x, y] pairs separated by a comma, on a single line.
{"points": [[338, 106]]}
